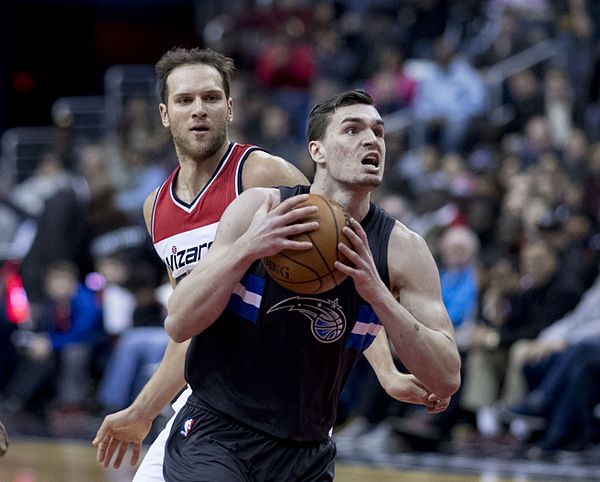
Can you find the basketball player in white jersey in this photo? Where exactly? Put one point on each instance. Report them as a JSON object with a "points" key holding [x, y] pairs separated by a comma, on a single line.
{"points": [[182, 216]]}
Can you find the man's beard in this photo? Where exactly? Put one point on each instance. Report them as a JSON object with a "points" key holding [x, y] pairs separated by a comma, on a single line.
{"points": [[199, 152]]}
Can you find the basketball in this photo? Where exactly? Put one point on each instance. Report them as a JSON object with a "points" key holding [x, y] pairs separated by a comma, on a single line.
{"points": [[313, 271]]}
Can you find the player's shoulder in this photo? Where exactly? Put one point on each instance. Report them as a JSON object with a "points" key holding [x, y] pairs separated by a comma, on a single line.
{"points": [[262, 169], [256, 195], [408, 256], [402, 235], [148, 206]]}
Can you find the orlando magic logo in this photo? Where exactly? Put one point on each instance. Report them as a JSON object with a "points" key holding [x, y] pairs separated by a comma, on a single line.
{"points": [[328, 322]]}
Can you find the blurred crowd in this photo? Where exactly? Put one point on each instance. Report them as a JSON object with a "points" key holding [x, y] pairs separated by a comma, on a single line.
{"points": [[492, 111]]}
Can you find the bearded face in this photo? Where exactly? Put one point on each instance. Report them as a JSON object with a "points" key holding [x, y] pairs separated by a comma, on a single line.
{"points": [[198, 144], [197, 111]]}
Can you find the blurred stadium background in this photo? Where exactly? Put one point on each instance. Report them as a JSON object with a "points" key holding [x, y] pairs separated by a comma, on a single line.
{"points": [[492, 111]]}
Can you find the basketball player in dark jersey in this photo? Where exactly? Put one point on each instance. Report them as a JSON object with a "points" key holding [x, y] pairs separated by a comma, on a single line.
{"points": [[182, 216], [265, 369]]}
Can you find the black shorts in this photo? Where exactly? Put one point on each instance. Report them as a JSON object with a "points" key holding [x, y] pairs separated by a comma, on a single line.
{"points": [[204, 446]]}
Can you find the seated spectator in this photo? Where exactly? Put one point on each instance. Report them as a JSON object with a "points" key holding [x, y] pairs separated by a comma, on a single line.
{"points": [[275, 135], [286, 66], [448, 100], [500, 41], [537, 367], [545, 296], [523, 101], [390, 86], [61, 229], [139, 348], [458, 247], [564, 398], [49, 178], [59, 352]]}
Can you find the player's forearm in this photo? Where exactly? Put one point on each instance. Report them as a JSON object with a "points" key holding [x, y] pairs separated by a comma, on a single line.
{"points": [[430, 355], [202, 296], [166, 382], [380, 358]]}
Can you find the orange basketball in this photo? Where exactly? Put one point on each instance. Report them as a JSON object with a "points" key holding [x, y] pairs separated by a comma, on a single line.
{"points": [[313, 271]]}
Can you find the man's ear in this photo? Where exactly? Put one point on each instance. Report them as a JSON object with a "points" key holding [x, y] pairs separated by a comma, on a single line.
{"points": [[230, 109], [317, 151], [164, 115]]}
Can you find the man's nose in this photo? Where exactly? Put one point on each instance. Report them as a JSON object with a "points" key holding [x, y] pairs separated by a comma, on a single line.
{"points": [[369, 138], [198, 107]]}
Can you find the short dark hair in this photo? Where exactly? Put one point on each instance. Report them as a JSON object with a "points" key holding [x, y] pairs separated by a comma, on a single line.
{"points": [[179, 56], [321, 114]]}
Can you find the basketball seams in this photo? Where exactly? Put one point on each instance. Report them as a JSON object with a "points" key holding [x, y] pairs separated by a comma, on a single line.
{"points": [[337, 240], [318, 277]]}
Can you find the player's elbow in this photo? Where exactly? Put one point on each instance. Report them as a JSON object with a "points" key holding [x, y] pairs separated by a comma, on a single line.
{"points": [[175, 330], [449, 384]]}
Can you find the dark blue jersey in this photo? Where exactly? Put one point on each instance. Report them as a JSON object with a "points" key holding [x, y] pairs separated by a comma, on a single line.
{"points": [[277, 361]]}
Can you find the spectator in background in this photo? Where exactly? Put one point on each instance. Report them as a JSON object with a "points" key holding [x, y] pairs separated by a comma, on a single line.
{"points": [[426, 21], [94, 163], [140, 347], [117, 246], [448, 100], [458, 249], [559, 101], [575, 154], [501, 39], [49, 178], [68, 328], [286, 67], [524, 100], [141, 135], [142, 175], [544, 297], [146, 154], [275, 134], [60, 224], [564, 396], [540, 355], [590, 203], [591, 110], [537, 141], [576, 47], [390, 86]]}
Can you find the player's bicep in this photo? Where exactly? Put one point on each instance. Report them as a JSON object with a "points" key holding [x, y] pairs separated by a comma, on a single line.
{"points": [[420, 291]]}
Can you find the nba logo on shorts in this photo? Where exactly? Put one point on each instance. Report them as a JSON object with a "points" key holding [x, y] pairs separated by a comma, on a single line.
{"points": [[187, 426]]}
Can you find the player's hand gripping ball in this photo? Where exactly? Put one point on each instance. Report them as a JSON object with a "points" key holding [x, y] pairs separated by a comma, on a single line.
{"points": [[312, 271]]}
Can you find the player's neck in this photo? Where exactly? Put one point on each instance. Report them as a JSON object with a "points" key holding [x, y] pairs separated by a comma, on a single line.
{"points": [[355, 202], [194, 174]]}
